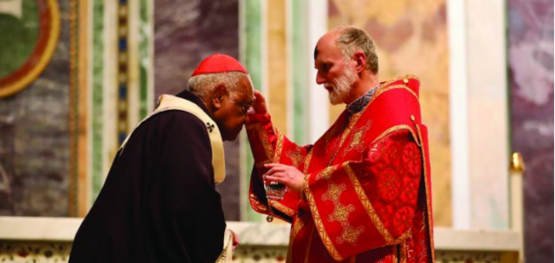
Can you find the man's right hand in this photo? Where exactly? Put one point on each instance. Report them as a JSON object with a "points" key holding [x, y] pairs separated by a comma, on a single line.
{"points": [[259, 104]]}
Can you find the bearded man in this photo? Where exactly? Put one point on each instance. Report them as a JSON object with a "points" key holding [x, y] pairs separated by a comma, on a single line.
{"points": [[360, 193]]}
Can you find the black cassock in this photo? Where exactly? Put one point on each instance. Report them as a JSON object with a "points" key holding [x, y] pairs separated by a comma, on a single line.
{"points": [[159, 202]]}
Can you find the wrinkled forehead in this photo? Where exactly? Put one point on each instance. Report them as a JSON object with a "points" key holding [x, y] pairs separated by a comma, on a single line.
{"points": [[326, 48]]}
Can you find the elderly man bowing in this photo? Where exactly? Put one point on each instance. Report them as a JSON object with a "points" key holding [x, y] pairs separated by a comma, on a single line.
{"points": [[159, 202]]}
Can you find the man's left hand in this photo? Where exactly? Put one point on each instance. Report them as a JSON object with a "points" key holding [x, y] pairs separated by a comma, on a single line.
{"points": [[285, 174], [235, 240]]}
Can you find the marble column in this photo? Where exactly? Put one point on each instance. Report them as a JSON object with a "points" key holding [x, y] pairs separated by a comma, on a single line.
{"points": [[479, 114]]}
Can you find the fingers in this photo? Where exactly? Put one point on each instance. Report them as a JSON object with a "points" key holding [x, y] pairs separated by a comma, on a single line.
{"points": [[259, 104], [279, 178], [235, 239], [258, 97], [283, 174], [276, 169], [272, 165]]}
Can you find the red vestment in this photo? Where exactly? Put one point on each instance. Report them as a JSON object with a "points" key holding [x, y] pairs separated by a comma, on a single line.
{"points": [[369, 196]]}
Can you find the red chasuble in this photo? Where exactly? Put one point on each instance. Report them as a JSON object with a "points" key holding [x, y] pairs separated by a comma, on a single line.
{"points": [[369, 196]]}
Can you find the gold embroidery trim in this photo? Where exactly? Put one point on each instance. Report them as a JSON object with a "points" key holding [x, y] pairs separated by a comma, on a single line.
{"points": [[403, 253], [326, 173], [307, 161], [279, 147], [264, 140], [289, 256], [367, 205], [352, 123], [281, 207], [257, 203], [426, 184], [394, 129], [305, 172], [399, 86], [320, 227], [297, 227]]}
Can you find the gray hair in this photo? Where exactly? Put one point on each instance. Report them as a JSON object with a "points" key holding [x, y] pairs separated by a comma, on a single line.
{"points": [[202, 85], [351, 39]]}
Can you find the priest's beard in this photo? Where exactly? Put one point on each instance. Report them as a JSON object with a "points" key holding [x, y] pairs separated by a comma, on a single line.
{"points": [[340, 87]]}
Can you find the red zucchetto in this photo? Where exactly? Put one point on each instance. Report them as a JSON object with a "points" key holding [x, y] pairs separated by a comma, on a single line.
{"points": [[219, 63]]}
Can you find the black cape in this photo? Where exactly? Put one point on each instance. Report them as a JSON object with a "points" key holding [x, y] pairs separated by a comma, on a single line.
{"points": [[159, 202]]}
